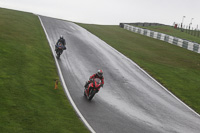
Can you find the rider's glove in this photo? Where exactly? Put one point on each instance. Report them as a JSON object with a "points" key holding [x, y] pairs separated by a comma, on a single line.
{"points": [[102, 85], [91, 80]]}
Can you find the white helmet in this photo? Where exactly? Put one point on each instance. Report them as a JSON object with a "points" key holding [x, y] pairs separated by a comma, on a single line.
{"points": [[100, 73]]}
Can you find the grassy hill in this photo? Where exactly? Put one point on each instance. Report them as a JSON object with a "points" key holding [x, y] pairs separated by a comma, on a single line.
{"points": [[28, 101], [174, 67]]}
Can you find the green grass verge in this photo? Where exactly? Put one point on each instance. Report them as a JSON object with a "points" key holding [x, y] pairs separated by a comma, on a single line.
{"points": [[28, 101], [176, 68]]}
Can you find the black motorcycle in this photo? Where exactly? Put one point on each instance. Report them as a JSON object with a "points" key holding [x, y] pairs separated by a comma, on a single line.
{"points": [[59, 49]]}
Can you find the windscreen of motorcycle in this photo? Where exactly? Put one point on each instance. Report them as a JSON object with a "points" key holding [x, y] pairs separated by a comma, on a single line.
{"points": [[98, 81]]}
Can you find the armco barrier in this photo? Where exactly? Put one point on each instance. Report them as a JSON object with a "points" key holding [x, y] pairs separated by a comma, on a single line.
{"points": [[167, 38]]}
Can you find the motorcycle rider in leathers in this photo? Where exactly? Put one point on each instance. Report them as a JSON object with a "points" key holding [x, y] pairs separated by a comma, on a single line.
{"points": [[60, 40], [99, 75]]}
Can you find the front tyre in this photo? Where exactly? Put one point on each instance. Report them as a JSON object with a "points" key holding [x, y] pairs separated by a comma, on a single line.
{"points": [[58, 54], [85, 93], [92, 93]]}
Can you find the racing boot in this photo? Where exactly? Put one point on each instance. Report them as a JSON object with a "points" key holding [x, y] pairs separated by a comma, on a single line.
{"points": [[86, 84]]}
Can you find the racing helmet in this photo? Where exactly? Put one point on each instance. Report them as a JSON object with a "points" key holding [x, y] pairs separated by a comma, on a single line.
{"points": [[61, 36], [100, 72]]}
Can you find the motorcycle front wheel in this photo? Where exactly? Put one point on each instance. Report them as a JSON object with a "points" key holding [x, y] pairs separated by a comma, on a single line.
{"points": [[58, 55], [92, 93]]}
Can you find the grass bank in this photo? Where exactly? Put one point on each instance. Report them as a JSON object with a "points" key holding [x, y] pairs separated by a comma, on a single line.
{"points": [[174, 67], [28, 101]]}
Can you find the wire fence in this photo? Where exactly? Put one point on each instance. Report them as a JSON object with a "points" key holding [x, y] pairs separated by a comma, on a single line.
{"points": [[188, 30]]}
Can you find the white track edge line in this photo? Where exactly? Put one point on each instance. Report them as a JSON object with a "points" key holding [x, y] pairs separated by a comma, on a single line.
{"points": [[64, 84], [156, 81]]}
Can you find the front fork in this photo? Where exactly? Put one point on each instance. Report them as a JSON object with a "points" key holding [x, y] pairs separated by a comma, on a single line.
{"points": [[88, 91]]}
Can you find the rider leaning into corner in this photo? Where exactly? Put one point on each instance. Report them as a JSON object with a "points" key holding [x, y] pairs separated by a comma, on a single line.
{"points": [[60, 40], [99, 75]]}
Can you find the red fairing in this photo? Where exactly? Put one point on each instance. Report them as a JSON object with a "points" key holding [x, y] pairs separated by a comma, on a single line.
{"points": [[97, 85], [96, 76], [90, 85]]}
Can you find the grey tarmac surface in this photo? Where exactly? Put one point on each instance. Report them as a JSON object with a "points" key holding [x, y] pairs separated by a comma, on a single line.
{"points": [[130, 101]]}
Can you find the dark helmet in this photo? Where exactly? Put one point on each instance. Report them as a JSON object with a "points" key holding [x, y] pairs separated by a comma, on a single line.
{"points": [[61, 37], [100, 73]]}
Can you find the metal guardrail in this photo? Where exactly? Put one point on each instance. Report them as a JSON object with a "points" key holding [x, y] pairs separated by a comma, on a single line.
{"points": [[192, 46]]}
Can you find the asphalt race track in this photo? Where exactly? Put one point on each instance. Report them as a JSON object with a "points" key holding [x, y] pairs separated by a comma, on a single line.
{"points": [[131, 101]]}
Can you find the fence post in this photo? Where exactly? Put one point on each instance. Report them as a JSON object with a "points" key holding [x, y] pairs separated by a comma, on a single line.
{"points": [[198, 32]]}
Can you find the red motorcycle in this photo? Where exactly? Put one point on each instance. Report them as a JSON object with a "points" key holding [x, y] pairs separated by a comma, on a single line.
{"points": [[92, 88]]}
